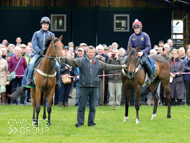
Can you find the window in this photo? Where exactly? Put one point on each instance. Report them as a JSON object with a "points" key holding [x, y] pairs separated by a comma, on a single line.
{"points": [[177, 33], [121, 22], [58, 22]]}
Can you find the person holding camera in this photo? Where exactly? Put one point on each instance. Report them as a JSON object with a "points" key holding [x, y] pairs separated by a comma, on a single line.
{"points": [[166, 52], [104, 58], [114, 81], [176, 81], [187, 77]]}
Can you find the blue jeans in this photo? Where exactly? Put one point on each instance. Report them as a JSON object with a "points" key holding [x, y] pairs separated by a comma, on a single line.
{"points": [[64, 92], [16, 82]]}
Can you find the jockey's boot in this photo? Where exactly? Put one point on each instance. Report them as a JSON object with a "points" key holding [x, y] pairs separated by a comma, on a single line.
{"points": [[58, 84], [148, 70]]}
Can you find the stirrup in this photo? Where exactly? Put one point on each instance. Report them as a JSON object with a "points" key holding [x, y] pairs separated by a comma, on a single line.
{"points": [[150, 80], [29, 82], [57, 85]]}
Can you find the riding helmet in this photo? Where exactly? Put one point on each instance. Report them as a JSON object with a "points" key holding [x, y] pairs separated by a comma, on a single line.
{"points": [[137, 24], [45, 20]]}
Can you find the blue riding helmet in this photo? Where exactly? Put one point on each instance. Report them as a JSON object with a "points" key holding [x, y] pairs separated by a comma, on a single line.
{"points": [[45, 20]]}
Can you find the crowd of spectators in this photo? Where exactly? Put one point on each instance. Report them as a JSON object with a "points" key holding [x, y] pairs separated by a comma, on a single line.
{"points": [[110, 86]]}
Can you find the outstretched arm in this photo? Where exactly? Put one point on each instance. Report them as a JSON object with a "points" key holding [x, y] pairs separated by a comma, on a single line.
{"points": [[110, 67], [72, 62]]}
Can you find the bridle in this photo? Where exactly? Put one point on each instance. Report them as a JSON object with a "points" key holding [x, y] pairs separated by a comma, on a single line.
{"points": [[132, 74], [52, 57]]}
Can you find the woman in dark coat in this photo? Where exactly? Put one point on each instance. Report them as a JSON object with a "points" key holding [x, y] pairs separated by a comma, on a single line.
{"points": [[177, 84], [65, 69]]}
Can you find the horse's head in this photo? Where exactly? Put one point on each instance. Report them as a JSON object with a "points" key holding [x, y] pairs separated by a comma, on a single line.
{"points": [[57, 46], [132, 59]]}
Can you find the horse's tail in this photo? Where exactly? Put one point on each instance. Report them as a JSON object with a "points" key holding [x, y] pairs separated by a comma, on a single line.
{"points": [[19, 91]]}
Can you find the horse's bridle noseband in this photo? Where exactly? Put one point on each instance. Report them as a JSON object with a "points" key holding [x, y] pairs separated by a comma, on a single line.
{"points": [[131, 75], [53, 55]]}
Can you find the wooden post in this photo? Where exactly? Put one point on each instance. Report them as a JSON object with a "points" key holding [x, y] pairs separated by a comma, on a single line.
{"points": [[103, 88]]}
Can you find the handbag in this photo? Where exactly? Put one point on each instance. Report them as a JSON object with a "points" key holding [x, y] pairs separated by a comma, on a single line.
{"points": [[12, 77], [66, 79]]}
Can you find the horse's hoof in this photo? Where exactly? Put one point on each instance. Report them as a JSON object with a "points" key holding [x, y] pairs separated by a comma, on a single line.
{"points": [[48, 123], [36, 124], [125, 119], [168, 116], [137, 121], [34, 120], [153, 116], [44, 117]]}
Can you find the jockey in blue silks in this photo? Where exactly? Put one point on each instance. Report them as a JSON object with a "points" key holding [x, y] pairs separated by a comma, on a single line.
{"points": [[38, 43], [142, 39]]}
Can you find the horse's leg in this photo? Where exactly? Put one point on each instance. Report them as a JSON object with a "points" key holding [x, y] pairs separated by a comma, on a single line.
{"points": [[137, 94], [167, 91], [153, 89], [49, 105], [127, 99], [44, 101], [38, 98], [33, 92]]}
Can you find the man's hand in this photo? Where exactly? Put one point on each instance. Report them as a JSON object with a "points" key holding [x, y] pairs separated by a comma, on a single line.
{"points": [[140, 54], [103, 59], [98, 56], [188, 68], [172, 75], [70, 68], [78, 77], [165, 52], [41, 53], [116, 56], [124, 66]]}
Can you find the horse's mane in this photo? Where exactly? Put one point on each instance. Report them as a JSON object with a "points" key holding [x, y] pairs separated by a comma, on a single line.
{"points": [[47, 43]]}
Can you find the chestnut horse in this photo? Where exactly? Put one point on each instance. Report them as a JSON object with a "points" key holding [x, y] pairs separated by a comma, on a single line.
{"points": [[133, 77], [45, 78]]}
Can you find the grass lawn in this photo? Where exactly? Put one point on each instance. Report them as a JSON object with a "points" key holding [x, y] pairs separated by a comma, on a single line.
{"points": [[109, 125]]}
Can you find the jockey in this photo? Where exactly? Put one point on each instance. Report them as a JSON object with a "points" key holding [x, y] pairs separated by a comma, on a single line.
{"points": [[38, 43], [142, 39]]}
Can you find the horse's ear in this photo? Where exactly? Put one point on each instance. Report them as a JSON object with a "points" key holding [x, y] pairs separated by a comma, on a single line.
{"points": [[129, 47], [51, 37], [138, 48], [60, 38]]}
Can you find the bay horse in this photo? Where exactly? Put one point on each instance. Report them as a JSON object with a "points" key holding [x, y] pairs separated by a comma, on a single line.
{"points": [[134, 76], [45, 78]]}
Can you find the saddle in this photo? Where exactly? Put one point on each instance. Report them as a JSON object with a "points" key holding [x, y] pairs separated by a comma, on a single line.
{"points": [[152, 64]]}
